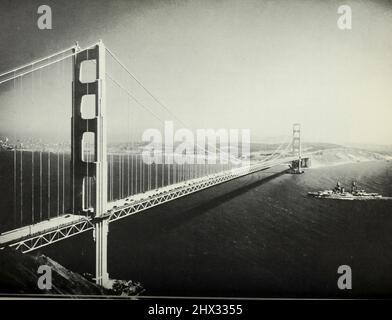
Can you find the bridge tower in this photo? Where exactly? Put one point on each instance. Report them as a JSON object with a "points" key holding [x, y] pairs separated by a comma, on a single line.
{"points": [[296, 145], [92, 170]]}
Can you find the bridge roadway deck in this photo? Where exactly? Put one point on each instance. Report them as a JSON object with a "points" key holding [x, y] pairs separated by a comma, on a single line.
{"points": [[44, 233]]}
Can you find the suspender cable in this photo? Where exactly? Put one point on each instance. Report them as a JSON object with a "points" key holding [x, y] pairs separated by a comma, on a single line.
{"points": [[15, 164], [63, 184], [21, 187], [136, 174], [132, 156], [113, 177], [86, 180], [128, 144], [132, 175], [132, 148], [205, 165], [142, 173], [32, 152], [87, 185], [149, 176], [122, 175], [110, 177], [156, 174], [118, 180], [168, 173], [163, 168], [108, 160], [58, 182], [119, 176], [174, 172], [21, 166], [90, 191], [112, 156], [40, 185], [32, 187], [73, 151], [63, 73], [146, 176], [189, 169], [48, 195], [197, 167], [143, 168]]}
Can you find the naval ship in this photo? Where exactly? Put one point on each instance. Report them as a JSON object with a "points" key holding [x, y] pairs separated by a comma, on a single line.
{"points": [[339, 193]]}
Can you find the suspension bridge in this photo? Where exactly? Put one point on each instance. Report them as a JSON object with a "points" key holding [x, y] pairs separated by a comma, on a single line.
{"points": [[59, 188]]}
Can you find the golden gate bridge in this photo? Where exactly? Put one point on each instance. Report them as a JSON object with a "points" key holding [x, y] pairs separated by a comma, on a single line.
{"points": [[61, 189]]}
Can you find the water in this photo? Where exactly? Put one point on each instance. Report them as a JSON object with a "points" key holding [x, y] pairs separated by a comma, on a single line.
{"points": [[255, 236]]}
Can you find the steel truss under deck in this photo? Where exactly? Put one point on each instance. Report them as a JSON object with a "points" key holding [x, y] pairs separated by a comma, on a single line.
{"points": [[48, 237]]}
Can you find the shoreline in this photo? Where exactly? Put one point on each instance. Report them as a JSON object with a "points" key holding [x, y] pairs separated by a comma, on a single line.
{"points": [[323, 165]]}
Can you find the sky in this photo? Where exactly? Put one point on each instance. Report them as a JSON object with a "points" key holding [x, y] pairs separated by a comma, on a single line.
{"points": [[259, 65]]}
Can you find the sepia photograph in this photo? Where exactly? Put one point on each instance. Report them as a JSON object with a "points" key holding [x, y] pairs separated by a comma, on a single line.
{"points": [[213, 150]]}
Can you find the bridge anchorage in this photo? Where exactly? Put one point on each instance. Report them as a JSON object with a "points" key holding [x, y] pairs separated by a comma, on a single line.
{"points": [[92, 207]]}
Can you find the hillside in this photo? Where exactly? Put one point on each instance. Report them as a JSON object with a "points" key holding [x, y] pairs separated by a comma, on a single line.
{"points": [[18, 275], [336, 156]]}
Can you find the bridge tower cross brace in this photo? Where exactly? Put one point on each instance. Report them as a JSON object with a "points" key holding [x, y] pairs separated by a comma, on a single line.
{"points": [[96, 170]]}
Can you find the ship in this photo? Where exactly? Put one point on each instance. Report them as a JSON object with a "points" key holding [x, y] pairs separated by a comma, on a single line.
{"points": [[339, 193]]}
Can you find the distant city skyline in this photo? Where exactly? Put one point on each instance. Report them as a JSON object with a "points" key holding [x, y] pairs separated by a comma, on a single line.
{"points": [[260, 65]]}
